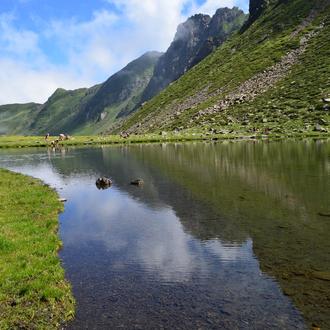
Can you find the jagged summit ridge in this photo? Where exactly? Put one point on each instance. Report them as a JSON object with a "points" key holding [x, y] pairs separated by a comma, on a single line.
{"points": [[194, 40]]}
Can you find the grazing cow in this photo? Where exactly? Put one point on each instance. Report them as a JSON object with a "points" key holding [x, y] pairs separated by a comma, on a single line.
{"points": [[63, 137], [124, 135]]}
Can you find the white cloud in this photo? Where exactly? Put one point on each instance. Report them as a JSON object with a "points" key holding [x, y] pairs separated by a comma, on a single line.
{"points": [[210, 6], [26, 73], [20, 83], [92, 49]]}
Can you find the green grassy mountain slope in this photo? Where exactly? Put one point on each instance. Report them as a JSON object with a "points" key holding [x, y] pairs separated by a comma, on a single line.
{"points": [[15, 118], [273, 75], [86, 110], [59, 113], [119, 94]]}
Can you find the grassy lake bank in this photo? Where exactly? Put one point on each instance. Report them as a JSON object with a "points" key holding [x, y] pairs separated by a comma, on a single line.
{"points": [[33, 290], [39, 141]]}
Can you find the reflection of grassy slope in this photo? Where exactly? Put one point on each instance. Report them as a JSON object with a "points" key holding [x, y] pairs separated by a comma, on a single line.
{"points": [[33, 291], [270, 192], [16, 118], [288, 104]]}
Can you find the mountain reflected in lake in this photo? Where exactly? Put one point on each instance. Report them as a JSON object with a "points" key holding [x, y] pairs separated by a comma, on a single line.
{"points": [[219, 236]]}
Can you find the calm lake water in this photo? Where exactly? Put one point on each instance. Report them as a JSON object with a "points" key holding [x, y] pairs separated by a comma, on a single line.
{"points": [[229, 235]]}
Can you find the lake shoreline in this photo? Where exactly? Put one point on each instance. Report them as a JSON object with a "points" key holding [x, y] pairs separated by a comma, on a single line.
{"points": [[33, 291], [39, 141], [270, 191]]}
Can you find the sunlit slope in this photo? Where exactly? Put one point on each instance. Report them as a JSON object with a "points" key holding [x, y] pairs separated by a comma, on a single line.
{"points": [[272, 75], [59, 113], [15, 118]]}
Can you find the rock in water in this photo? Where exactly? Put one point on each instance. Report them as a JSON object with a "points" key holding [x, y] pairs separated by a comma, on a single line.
{"points": [[103, 183], [137, 182]]}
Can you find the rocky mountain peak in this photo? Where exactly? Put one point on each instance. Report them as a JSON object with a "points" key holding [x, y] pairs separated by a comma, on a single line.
{"points": [[194, 40], [194, 25]]}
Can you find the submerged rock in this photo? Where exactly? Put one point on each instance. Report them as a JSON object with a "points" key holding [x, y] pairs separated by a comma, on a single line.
{"points": [[324, 214], [137, 182], [324, 276], [103, 183]]}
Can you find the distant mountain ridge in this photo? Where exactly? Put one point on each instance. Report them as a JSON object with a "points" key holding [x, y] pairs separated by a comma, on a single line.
{"points": [[96, 109], [71, 111]]}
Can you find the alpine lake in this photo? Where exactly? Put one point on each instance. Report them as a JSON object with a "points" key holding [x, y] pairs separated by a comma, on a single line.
{"points": [[221, 235]]}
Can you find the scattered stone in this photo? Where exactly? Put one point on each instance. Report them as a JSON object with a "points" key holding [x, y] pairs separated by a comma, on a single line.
{"points": [[137, 182], [319, 128], [13, 303], [103, 183], [326, 100]]}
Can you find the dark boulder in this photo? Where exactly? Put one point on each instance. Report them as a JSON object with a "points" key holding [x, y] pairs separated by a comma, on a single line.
{"points": [[103, 183]]}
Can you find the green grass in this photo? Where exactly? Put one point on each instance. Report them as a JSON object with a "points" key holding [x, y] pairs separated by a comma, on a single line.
{"points": [[33, 291], [187, 135]]}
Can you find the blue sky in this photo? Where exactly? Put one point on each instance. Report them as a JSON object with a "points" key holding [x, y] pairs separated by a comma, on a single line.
{"points": [[78, 43]]}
